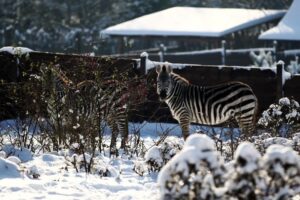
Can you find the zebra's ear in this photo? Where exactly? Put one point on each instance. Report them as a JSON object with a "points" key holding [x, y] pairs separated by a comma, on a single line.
{"points": [[158, 68], [169, 69]]}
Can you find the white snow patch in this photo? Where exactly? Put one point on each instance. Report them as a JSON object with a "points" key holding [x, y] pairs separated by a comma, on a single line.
{"points": [[14, 159], [8, 169], [200, 141], [154, 154], [16, 50], [249, 153], [22, 153]]}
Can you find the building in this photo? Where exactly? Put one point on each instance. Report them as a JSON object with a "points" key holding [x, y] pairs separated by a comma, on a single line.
{"points": [[287, 32], [191, 28]]}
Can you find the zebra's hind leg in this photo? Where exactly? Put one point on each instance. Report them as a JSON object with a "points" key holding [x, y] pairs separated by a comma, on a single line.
{"points": [[123, 130], [247, 128], [113, 142]]}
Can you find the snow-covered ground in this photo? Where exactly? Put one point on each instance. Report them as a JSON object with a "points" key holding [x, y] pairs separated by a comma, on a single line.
{"points": [[57, 182], [57, 179], [53, 176]]}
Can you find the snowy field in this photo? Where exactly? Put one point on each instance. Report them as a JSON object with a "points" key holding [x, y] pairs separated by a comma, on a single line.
{"points": [[52, 176], [55, 182], [58, 180]]}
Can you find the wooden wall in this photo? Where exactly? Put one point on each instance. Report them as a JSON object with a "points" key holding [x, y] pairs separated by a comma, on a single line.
{"points": [[266, 84]]}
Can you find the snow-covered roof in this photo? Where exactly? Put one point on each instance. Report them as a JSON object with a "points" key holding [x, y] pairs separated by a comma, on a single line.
{"points": [[191, 21], [288, 28]]}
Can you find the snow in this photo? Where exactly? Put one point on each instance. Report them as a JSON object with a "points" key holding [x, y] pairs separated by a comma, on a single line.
{"points": [[50, 175], [16, 50], [8, 169], [154, 154], [288, 28], [47, 176], [188, 164], [169, 22], [201, 142], [22, 153], [248, 152]]}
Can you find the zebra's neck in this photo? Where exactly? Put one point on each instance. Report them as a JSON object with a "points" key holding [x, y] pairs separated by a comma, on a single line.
{"points": [[180, 80], [178, 85]]}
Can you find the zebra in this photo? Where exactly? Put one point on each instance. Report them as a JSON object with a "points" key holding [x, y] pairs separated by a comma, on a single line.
{"points": [[105, 101], [211, 105]]}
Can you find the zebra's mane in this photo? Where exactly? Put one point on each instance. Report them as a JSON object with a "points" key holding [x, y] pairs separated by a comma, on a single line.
{"points": [[179, 79]]}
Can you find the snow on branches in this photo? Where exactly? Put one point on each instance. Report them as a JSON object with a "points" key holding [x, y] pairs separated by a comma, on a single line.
{"points": [[157, 156], [281, 118], [198, 172]]}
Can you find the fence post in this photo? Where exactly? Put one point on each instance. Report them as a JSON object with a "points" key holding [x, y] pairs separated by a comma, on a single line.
{"points": [[144, 57], [279, 78], [275, 51], [223, 52], [162, 50]]}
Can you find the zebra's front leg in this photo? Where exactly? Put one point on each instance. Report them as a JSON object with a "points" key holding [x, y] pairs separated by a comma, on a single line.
{"points": [[184, 122]]}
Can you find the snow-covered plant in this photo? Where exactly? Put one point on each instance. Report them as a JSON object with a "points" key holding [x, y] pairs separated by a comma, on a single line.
{"points": [[22, 153], [198, 172], [262, 59], [157, 156], [294, 66], [103, 169], [154, 159], [33, 172], [184, 176], [246, 180], [283, 167], [281, 118]]}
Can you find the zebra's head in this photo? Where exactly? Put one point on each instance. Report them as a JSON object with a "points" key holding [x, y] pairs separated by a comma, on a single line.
{"points": [[164, 83]]}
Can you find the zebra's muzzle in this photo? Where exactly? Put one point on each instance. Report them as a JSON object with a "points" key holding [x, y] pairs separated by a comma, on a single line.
{"points": [[163, 95]]}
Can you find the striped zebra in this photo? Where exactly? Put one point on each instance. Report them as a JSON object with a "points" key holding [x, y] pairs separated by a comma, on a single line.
{"points": [[92, 102], [210, 105]]}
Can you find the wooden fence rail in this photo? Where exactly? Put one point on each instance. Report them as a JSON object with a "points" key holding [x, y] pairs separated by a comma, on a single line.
{"points": [[268, 84]]}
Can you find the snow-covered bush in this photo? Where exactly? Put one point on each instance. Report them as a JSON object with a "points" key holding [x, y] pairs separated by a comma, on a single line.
{"points": [[104, 169], [294, 66], [89, 163], [198, 172], [185, 176], [33, 172], [282, 118], [157, 156], [154, 158], [22, 153], [262, 59], [246, 179], [283, 167]]}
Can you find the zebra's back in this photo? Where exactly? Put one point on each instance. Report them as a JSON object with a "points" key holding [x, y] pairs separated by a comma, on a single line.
{"points": [[216, 104]]}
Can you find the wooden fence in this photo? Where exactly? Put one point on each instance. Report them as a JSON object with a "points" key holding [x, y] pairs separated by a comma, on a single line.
{"points": [[267, 84], [17, 70]]}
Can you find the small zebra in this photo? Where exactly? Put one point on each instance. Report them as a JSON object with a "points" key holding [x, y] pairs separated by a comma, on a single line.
{"points": [[210, 105], [91, 100]]}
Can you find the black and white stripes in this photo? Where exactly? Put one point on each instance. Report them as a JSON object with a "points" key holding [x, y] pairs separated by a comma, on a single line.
{"points": [[90, 102], [206, 105]]}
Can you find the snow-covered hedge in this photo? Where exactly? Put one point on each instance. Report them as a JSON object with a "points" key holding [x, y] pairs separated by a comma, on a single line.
{"points": [[281, 118], [198, 172], [157, 156]]}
